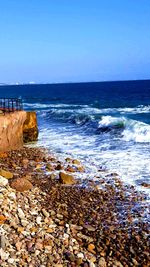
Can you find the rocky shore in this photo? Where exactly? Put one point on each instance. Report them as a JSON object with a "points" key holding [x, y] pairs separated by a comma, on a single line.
{"points": [[49, 217]]}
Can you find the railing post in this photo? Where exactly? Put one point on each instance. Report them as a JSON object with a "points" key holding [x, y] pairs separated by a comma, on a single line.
{"points": [[10, 104]]}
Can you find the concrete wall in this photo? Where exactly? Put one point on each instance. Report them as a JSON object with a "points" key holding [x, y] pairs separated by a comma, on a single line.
{"points": [[11, 130]]}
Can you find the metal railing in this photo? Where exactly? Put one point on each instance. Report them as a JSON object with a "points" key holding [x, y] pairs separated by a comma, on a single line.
{"points": [[10, 104]]}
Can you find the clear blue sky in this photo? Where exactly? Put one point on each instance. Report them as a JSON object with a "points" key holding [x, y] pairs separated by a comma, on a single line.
{"points": [[74, 40]]}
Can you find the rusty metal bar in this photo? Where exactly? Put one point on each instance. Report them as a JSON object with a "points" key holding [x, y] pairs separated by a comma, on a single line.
{"points": [[10, 104]]}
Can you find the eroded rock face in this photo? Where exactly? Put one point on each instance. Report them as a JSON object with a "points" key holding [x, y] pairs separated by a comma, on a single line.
{"points": [[30, 129], [11, 126]]}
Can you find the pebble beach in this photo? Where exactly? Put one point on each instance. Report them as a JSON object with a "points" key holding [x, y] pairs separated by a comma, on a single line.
{"points": [[49, 217]]}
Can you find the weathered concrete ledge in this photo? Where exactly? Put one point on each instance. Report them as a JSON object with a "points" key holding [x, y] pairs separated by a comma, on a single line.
{"points": [[17, 127]]}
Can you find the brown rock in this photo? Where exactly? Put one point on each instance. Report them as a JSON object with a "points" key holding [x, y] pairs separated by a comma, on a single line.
{"points": [[49, 167], [68, 159], [6, 174], [70, 169], [76, 162], [30, 130], [25, 163], [66, 178], [21, 184], [59, 167], [146, 185], [79, 261]]}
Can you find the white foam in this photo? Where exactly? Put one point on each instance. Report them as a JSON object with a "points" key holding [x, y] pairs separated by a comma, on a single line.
{"points": [[42, 106], [133, 130], [111, 121], [127, 110], [137, 131]]}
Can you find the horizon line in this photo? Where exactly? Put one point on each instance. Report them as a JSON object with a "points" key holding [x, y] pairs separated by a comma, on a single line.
{"points": [[69, 82]]}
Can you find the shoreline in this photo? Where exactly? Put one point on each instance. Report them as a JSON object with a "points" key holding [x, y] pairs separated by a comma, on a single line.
{"points": [[55, 224]]}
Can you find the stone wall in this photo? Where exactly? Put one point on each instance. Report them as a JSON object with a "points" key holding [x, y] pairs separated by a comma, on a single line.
{"points": [[11, 130]]}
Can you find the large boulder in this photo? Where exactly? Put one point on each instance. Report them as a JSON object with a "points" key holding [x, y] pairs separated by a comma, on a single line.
{"points": [[30, 128], [66, 178], [21, 184]]}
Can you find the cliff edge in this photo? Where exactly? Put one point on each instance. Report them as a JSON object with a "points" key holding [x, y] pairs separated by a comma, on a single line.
{"points": [[16, 128], [11, 135]]}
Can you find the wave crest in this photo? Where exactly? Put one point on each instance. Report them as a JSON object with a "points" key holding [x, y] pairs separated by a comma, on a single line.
{"points": [[132, 130]]}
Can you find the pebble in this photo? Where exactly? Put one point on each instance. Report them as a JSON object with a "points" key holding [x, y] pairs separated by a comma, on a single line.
{"points": [[80, 255], [2, 242], [102, 262], [89, 227], [11, 260], [45, 213], [79, 238], [24, 222], [59, 216], [21, 213], [3, 181], [12, 195], [4, 255], [38, 220]]}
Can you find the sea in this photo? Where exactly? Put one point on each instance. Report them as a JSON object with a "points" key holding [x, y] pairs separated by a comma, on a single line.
{"points": [[104, 124]]}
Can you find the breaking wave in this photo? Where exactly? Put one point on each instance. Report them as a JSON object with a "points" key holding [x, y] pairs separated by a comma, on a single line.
{"points": [[99, 121], [132, 130]]}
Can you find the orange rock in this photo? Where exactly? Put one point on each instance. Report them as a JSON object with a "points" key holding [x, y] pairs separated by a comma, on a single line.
{"points": [[2, 219], [3, 155], [66, 178], [6, 174], [38, 166], [50, 230], [33, 229], [21, 184], [91, 248], [20, 229]]}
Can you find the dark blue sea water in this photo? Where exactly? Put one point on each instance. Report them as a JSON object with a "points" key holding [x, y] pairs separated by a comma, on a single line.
{"points": [[104, 124]]}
